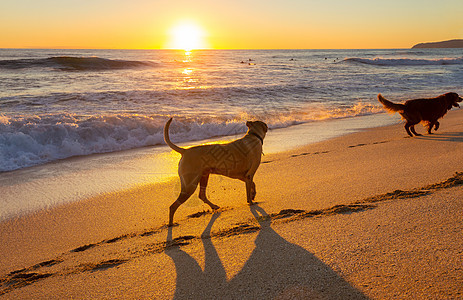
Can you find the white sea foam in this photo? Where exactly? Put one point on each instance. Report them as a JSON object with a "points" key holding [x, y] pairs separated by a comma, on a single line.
{"points": [[405, 61], [27, 141]]}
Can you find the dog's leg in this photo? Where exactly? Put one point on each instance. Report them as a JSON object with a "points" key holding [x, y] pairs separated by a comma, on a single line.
{"points": [[407, 128], [430, 126], [173, 208], [253, 191], [189, 184], [249, 180], [249, 188], [202, 191], [412, 128]]}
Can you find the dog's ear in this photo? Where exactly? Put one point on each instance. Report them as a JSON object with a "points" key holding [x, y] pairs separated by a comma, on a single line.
{"points": [[248, 124], [262, 125], [265, 126]]}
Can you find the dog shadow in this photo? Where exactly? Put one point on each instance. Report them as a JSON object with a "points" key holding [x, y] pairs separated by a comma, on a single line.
{"points": [[275, 269], [444, 137]]}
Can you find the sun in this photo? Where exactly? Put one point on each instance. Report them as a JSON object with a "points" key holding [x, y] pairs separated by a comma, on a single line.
{"points": [[187, 36]]}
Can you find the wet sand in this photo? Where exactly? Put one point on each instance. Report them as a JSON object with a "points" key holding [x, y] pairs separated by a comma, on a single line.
{"points": [[373, 214], [78, 178]]}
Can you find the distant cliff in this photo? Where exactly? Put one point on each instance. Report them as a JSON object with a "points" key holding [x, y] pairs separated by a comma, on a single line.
{"points": [[444, 44]]}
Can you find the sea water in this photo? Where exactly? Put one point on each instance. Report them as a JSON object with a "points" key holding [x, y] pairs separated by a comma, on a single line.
{"points": [[57, 104]]}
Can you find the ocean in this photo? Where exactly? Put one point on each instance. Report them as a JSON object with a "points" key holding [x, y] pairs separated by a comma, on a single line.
{"points": [[59, 104], [56, 104]]}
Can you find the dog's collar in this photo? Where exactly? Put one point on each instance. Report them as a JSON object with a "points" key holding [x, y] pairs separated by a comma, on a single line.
{"points": [[257, 136]]}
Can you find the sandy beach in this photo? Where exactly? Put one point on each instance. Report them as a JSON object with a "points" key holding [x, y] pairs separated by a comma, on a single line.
{"points": [[368, 215]]}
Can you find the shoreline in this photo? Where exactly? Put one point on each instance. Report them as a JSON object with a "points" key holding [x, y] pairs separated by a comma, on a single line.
{"points": [[370, 214], [78, 178]]}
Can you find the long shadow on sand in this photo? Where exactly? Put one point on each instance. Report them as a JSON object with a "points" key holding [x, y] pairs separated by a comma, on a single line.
{"points": [[275, 269], [444, 137]]}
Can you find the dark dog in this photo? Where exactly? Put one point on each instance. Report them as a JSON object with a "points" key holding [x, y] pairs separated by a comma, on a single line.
{"points": [[427, 111]]}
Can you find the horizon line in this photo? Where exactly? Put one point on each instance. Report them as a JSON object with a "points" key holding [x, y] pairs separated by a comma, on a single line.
{"points": [[199, 49]]}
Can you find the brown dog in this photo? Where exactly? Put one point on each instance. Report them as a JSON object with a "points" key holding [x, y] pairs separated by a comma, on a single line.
{"points": [[427, 111], [238, 159]]}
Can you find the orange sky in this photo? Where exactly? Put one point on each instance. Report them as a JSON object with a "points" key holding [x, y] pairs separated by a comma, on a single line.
{"points": [[239, 24]]}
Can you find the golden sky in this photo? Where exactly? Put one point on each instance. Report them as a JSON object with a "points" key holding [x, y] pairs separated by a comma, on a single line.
{"points": [[232, 24]]}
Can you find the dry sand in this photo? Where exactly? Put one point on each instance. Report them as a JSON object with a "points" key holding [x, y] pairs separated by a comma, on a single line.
{"points": [[373, 214]]}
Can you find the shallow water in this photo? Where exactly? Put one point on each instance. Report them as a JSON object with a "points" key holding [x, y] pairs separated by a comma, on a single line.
{"points": [[45, 186]]}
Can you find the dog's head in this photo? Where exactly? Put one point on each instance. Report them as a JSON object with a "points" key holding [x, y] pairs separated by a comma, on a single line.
{"points": [[453, 100], [258, 127]]}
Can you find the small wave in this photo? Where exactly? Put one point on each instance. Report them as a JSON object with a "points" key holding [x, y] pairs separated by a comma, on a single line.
{"points": [[28, 141], [32, 140], [71, 63], [405, 61]]}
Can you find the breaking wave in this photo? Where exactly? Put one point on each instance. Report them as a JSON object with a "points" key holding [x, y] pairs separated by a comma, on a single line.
{"points": [[32, 140], [405, 61], [71, 63]]}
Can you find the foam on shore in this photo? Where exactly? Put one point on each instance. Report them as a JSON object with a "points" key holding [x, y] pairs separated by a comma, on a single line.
{"points": [[42, 187]]}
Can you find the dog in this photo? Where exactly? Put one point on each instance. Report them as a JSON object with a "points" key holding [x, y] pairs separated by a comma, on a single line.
{"points": [[427, 111], [238, 159]]}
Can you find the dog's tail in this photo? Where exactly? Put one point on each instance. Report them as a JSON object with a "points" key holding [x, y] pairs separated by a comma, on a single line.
{"points": [[167, 139], [388, 105]]}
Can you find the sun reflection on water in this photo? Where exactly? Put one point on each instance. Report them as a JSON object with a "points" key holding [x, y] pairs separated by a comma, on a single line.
{"points": [[189, 74], [188, 57], [187, 71]]}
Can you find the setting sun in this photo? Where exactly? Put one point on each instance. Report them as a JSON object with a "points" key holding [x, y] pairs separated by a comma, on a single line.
{"points": [[187, 36]]}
